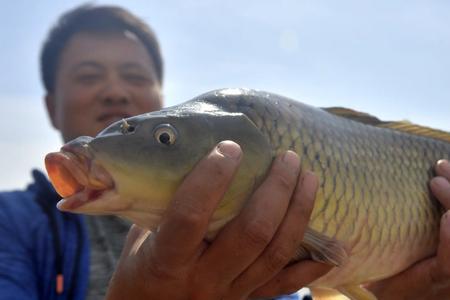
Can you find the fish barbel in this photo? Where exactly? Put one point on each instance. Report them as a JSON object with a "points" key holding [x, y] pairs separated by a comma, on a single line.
{"points": [[373, 217]]}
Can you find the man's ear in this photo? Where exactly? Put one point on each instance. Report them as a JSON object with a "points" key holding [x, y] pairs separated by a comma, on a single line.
{"points": [[51, 108]]}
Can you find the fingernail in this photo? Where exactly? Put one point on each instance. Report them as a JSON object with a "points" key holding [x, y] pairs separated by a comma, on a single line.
{"points": [[444, 165], [442, 161], [229, 149], [61, 204], [291, 159], [443, 168]]}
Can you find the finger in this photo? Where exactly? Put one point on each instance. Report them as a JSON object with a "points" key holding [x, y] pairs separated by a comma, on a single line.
{"points": [[292, 278], [287, 239], [186, 221], [440, 188], [248, 234], [423, 278], [441, 273], [443, 168]]}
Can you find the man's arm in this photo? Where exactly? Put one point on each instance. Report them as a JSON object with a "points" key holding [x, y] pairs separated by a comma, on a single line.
{"points": [[17, 270], [176, 263]]}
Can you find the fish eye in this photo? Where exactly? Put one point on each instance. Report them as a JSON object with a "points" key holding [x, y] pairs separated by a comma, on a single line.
{"points": [[165, 134]]}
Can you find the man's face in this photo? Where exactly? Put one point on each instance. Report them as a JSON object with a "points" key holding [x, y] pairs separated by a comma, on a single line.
{"points": [[102, 78]]}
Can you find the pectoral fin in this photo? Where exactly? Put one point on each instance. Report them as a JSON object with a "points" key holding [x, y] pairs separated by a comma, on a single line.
{"points": [[321, 248], [326, 294]]}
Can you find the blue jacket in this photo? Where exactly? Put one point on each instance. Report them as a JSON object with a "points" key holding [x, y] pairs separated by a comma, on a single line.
{"points": [[38, 242]]}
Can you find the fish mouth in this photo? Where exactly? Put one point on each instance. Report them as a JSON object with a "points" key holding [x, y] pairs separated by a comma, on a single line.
{"points": [[77, 178]]}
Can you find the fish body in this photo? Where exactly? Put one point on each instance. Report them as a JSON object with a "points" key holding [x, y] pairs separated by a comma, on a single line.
{"points": [[373, 216]]}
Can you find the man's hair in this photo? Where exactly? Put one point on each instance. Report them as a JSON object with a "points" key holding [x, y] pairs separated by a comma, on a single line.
{"points": [[97, 19]]}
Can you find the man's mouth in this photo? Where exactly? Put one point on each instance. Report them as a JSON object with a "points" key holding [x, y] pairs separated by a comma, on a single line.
{"points": [[110, 118]]}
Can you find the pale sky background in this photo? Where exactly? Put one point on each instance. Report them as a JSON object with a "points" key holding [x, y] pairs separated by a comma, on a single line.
{"points": [[388, 58]]}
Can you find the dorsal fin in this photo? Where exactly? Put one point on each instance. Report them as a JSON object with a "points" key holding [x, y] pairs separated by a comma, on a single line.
{"points": [[415, 129], [353, 115], [403, 126]]}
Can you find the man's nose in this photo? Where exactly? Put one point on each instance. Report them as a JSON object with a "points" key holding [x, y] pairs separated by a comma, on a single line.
{"points": [[115, 92]]}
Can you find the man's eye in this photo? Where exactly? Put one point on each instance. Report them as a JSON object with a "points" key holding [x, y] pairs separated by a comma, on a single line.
{"points": [[88, 78], [136, 79]]}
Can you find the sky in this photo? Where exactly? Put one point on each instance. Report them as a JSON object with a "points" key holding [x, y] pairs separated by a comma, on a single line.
{"points": [[388, 58]]}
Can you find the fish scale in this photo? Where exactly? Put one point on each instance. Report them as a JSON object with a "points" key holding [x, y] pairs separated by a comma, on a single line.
{"points": [[373, 192]]}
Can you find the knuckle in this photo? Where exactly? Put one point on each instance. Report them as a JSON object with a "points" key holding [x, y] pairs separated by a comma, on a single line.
{"points": [[445, 273], [434, 278], [198, 290], [202, 292], [258, 233], [284, 180], [212, 177], [188, 220], [159, 271], [304, 211], [186, 212], [303, 204], [290, 286], [279, 286], [439, 275], [219, 168], [277, 259]]}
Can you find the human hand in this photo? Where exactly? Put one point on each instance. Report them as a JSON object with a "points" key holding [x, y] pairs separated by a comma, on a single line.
{"points": [[430, 278], [176, 263]]}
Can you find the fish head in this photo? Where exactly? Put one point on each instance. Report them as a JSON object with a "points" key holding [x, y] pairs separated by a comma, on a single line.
{"points": [[133, 167]]}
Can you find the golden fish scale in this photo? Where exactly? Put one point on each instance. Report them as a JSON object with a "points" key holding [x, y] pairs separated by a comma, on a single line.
{"points": [[373, 194]]}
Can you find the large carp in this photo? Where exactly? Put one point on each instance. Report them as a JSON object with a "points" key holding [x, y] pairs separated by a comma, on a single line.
{"points": [[373, 216]]}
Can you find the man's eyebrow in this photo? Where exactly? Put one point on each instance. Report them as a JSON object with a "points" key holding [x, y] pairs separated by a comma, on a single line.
{"points": [[86, 64]]}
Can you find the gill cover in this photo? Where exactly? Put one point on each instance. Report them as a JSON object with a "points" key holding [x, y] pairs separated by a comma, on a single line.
{"points": [[149, 163]]}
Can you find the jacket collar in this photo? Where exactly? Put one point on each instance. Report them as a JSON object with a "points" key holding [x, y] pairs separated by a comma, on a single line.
{"points": [[42, 186]]}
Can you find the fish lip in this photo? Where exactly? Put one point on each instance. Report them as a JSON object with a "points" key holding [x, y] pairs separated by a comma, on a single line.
{"points": [[76, 166], [78, 199], [93, 187], [97, 177], [76, 163], [78, 158]]}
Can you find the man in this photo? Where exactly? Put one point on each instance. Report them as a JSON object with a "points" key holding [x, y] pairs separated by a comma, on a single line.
{"points": [[101, 64]]}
